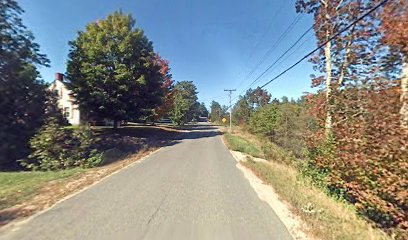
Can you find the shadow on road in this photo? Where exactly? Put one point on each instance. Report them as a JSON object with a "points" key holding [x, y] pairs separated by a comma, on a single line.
{"points": [[131, 139], [127, 141]]}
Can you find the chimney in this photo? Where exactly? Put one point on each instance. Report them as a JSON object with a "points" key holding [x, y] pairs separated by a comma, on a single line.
{"points": [[59, 76]]}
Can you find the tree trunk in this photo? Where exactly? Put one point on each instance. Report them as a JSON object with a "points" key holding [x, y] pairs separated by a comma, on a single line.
{"points": [[327, 54], [404, 96], [344, 65]]}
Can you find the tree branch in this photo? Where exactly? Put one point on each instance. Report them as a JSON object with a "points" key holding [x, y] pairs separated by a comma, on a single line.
{"points": [[345, 62], [347, 118]]}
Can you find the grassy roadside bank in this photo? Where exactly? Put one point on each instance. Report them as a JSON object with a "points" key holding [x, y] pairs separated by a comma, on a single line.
{"points": [[17, 187], [325, 217]]}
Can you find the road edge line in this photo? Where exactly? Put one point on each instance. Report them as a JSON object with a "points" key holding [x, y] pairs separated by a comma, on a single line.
{"points": [[14, 225]]}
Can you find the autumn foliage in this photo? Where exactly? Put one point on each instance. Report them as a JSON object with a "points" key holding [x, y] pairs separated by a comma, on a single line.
{"points": [[167, 87], [366, 156], [395, 25], [364, 153]]}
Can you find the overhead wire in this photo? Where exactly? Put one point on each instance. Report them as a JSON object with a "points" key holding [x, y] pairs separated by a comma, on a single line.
{"points": [[335, 35], [260, 40], [282, 55], [325, 42], [273, 47]]}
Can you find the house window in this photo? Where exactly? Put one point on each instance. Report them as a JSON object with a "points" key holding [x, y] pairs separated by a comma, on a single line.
{"points": [[66, 112]]}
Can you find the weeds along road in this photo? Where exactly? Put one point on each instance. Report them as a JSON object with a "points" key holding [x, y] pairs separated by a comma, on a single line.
{"points": [[190, 190]]}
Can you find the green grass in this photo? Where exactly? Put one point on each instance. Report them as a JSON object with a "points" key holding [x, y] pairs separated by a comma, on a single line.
{"points": [[17, 187], [239, 144], [325, 217]]}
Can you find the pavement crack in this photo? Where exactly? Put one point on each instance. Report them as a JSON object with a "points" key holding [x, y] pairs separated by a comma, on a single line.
{"points": [[157, 209]]}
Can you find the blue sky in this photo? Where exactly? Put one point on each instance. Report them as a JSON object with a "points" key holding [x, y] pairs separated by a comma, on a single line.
{"points": [[214, 43]]}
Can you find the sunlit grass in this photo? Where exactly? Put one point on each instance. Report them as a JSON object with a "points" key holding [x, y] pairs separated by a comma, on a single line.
{"points": [[16, 187], [239, 144], [326, 217]]}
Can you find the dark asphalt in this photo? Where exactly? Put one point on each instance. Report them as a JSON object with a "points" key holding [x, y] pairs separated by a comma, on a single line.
{"points": [[190, 190]]}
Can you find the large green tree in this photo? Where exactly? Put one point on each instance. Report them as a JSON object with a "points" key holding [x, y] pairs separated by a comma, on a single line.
{"points": [[112, 70], [216, 112], [247, 104], [202, 110], [185, 102], [21, 92]]}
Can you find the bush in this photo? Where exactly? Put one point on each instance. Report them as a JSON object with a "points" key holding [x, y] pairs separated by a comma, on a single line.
{"points": [[56, 147], [283, 124], [276, 153]]}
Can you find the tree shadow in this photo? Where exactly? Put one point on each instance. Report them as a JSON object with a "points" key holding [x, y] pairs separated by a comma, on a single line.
{"points": [[8, 215], [130, 140]]}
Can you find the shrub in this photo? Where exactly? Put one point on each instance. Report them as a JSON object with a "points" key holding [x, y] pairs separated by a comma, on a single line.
{"points": [[56, 147], [282, 123], [276, 153], [365, 157]]}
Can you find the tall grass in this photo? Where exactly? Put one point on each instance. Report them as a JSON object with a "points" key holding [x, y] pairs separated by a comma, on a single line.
{"points": [[326, 217]]}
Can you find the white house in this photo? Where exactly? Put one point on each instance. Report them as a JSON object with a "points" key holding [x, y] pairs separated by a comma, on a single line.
{"points": [[65, 100]]}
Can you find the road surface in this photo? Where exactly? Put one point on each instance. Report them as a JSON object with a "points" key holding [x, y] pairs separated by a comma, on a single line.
{"points": [[190, 190]]}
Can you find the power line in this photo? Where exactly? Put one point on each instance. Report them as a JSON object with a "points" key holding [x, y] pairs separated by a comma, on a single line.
{"points": [[279, 58], [282, 55], [324, 43], [279, 40], [273, 47], [265, 33], [260, 40], [291, 54]]}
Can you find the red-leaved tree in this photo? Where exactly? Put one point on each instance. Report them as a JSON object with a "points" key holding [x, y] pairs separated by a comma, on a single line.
{"points": [[358, 140], [167, 88]]}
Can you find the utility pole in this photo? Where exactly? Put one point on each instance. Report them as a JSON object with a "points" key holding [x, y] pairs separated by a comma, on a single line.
{"points": [[230, 106]]}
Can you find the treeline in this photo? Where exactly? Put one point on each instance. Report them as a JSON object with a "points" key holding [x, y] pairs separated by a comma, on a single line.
{"points": [[351, 135], [218, 112], [279, 121], [113, 73]]}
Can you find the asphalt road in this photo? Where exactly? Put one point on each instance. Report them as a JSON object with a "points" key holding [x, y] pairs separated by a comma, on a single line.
{"points": [[190, 190]]}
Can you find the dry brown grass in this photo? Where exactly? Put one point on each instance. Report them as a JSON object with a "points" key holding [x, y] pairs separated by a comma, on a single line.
{"points": [[326, 218]]}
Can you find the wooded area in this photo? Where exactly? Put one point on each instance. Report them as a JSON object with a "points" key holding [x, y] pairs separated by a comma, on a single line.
{"points": [[351, 135], [113, 73]]}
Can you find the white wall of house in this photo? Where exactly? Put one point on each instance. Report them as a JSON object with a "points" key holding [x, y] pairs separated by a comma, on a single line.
{"points": [[66, 102]]}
